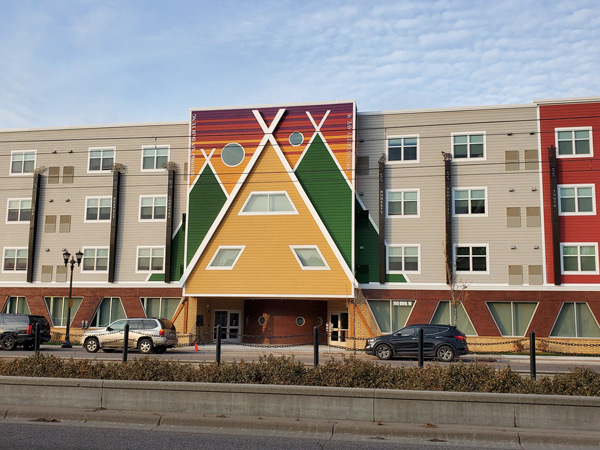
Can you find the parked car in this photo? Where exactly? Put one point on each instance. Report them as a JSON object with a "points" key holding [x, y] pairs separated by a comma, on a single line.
{"points": [[146, 335], [444, 342], [19, 329]]}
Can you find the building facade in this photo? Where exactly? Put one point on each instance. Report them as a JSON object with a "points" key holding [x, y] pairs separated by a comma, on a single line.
{"points": [[271, 220]]}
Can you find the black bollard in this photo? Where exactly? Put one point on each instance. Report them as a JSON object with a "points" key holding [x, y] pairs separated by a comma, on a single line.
{"points": [[218, 344], [532, 367], [125, 342], [36, 345], [420, 347], [316, 346]]}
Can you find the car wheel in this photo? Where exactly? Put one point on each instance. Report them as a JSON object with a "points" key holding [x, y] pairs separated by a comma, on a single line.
{"points": [[92, 345], [383, 351], [145, 345], [9, 342], [445, 353], [160, 349]]}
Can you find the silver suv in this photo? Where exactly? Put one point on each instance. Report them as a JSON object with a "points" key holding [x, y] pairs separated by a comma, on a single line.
{"points": [[147, 335]]}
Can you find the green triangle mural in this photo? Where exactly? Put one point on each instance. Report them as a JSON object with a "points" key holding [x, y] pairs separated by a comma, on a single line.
{"points": [[206, 199], [329, 193]]}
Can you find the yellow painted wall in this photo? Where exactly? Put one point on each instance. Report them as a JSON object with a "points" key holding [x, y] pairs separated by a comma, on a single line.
{"points": [[268, 266]]}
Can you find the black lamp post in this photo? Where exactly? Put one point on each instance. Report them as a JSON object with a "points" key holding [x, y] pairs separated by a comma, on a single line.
{"points": [[66, 256]]}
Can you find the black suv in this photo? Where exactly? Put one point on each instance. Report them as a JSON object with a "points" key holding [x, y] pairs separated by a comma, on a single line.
{"points": [[444, 342], [19, 329]]}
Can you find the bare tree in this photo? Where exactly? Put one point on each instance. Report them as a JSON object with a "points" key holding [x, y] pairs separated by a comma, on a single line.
{"points": [[458, 290]]}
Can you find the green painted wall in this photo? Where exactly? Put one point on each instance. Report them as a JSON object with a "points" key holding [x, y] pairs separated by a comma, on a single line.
{"points": [[329, 193]]}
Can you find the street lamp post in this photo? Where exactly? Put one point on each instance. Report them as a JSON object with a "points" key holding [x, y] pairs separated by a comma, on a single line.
{"points": [[66, 256]]}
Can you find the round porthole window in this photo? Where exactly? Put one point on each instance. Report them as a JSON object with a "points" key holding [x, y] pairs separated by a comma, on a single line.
{"points": [[232, 154], [319, 321], [296, 138], [261, 320], [300, 321]]}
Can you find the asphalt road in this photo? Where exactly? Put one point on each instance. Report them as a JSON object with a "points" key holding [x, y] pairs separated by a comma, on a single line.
{"points": [[17, 435], [546, 365]]}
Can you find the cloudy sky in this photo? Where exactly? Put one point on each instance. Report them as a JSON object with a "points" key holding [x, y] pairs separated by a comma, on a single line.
{"points": [[76, 62]]}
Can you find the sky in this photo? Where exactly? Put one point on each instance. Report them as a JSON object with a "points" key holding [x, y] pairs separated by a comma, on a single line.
{"points": [[82, 62]]}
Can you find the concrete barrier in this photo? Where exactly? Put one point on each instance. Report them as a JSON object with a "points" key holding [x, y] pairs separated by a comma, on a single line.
{"points": [[308, 402]]}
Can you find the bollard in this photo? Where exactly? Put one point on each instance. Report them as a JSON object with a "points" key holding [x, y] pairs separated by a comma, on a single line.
{"points": [[36, 345], [316, 347], [218, 344], [532, 368], [420, 347], [125, 342]]}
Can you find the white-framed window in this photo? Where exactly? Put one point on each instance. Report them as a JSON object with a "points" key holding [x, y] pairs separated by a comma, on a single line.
{"points": [[471, 258], [95, 259], [18, 210], [391, 315], [226, 257], [402, 203], [160, 307], [154, 156], [575, 320], [259, 203], [101, 159], [109, 310], [469, 201], [574, 142], [309, 257], [58, 308], [403, 149], [97, 209], [403, 258], [576, 199], [16, 305], [153, 208], [579, 258], [468, 145], [512, 318], [150, 259], [22, 162], [15, 259]]}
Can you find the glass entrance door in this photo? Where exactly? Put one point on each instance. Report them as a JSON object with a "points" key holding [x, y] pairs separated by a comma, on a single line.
{"points": [[230, 325], [338, 328]]}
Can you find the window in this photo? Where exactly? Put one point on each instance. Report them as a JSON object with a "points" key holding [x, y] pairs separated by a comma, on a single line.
{"points": [[532, 160], [225, 257], [512, 318], [150, 259], [515, 275], [513, 216], [58, 308], [53, 175], [61, 273], [511, 160], [403, 203], [470, 201], [101, 159], [402, 258], [574, 142], [15, 259], [468, 146], [50, 224], [19, 210], [536, 277], [268, 203], [309, 257], [64, 224], [471, 258], [97, 209], [47, 274], [575, 320], [160, 307], [403, 148], [153, 208], [16, 305], [391, 315], [533, 216], [22, 162], [109, 310], [68, 174], [95, 260], [153, 158], [577, 199], [579, 258], [443, 316], [232, 154]]}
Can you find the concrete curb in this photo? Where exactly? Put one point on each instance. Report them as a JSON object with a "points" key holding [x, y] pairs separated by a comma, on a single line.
{"points": [[314, 429]]}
